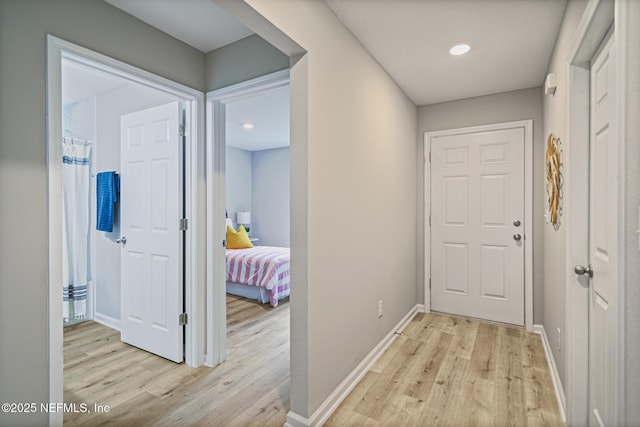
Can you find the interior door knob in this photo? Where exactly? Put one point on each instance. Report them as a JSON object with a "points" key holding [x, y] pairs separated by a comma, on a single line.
{"points": [[581, 271], [517, 237], [122, 240]]}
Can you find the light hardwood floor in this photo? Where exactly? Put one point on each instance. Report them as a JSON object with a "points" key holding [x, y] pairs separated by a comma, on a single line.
{"points": [[442, 370], [452, 371], [251, 388]]}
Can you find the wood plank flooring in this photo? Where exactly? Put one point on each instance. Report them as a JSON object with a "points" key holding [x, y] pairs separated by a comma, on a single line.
{"points": [[141, 389], [452, 371], [442, 371]]}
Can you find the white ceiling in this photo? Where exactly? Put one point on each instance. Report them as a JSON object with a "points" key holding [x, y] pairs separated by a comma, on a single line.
{"points": [[511, 43], [199, 23], [268, 112], [511, 40]]}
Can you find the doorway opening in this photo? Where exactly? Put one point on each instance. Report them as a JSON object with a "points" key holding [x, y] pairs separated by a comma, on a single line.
{"points": [[93, 103], [238, 159], [89, 95], [257, 199], [248, 274]]}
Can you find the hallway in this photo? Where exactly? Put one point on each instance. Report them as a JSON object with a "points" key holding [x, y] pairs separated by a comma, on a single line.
{"points": [[452, 371]]}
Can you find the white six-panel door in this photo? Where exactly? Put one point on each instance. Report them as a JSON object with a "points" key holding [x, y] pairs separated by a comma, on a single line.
{"points": [[151, 207], [477, 225], [603, 239]]}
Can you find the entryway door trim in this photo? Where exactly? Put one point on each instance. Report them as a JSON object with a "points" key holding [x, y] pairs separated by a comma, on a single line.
{"points": [[527, 125]]}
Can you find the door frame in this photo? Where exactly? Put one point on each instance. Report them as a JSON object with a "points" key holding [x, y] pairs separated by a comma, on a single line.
{"points": [[57, 49], [527, 126], [216, 200], [597, 19]]}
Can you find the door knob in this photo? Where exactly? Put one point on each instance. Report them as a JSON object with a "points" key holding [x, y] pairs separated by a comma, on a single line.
{"points": [[122, 240], [517, 237], [581, 271], [517, 223]]}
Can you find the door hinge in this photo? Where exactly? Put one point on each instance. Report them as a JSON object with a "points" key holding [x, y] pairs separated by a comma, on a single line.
{"points": [[429, 156], [224, 243], [182, 319], [183, 129], [429, 220], [184, 224], [429, 283]]}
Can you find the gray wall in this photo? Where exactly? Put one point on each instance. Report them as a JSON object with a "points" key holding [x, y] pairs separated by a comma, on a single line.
{"points": [[271, 197], [238, 182], [353, 149], [258, 181], [632, 273], [555, 264], [483, 110], [243, 60], [23, 166]]}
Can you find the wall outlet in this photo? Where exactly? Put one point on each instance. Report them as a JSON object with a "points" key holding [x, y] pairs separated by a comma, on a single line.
{"points": [[558, 339], [380, 308]]}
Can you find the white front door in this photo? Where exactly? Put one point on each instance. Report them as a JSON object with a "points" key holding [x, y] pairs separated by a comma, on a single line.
{"points": [[603, 239], [151, 206], [477, 225]]}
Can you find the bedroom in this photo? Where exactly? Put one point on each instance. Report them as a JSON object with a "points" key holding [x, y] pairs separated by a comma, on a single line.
{"points": [[257, 198]]}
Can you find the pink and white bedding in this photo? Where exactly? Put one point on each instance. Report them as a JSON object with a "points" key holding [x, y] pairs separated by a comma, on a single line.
{"points": [[263, 266]]}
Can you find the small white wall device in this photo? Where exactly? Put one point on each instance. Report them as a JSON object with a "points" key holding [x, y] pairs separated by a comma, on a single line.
{"points": [[550, 84]]}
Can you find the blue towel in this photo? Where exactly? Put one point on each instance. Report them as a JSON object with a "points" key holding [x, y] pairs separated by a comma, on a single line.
{"points": [[108, 186]]}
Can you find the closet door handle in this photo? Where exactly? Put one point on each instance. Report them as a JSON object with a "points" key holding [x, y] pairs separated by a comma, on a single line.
{"points": [[580, 270], [122, 240]]}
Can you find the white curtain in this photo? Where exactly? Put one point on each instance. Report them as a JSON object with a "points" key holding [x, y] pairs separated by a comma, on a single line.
{"points": [[76, 168]]}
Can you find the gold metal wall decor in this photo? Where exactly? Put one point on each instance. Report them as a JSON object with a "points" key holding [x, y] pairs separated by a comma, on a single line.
{"points": [[554, 178]]}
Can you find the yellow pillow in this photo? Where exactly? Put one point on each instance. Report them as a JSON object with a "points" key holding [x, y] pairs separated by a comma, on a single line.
{"points": [[238, 239]]}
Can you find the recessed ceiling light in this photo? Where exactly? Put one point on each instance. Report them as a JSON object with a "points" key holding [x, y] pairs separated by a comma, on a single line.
{"points": [[460, 49], [247, 126]]}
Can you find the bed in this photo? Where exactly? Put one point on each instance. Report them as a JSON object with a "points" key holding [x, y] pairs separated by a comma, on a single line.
{"points": [[260, 273]]}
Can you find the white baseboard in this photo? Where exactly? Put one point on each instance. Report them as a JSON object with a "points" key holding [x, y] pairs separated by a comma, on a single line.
{"points": [[420, 308], [555, 377], [108, 321], [331, 403], [295, 420]]}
